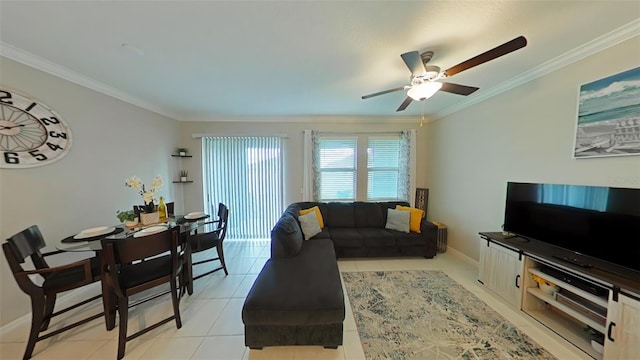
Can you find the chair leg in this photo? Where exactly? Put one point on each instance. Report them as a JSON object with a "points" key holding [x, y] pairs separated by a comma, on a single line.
{"points": [[50, 303], [37, 316], [123, 312], [187, 270], [175, 300], [221, 256]]}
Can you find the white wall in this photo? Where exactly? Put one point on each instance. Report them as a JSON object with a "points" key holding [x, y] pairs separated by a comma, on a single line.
{"points": [[525, 134], [112, 140], [293, 130]]}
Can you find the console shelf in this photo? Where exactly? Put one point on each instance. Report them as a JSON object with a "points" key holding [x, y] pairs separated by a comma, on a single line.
{"points": [[567, 328]]}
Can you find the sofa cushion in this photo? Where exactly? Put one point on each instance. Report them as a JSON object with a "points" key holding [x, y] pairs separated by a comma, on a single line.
{"points": [[385, 205], [415, 219], [309, 224], [398, 220], [377, 237], [286, 237], [410, 239], [345, 237], [368, 214], [302, 290], [340, 215], [315, 210]]}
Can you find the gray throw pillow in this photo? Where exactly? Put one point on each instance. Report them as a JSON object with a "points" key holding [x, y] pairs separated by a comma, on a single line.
{"points": [[309, 224], [397, 220]]}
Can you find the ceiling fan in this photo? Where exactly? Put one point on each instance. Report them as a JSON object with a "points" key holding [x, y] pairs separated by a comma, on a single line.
{"points": [[424, 78]]}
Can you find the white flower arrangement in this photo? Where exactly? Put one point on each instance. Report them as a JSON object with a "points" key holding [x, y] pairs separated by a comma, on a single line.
{"points": [[148, 196]]}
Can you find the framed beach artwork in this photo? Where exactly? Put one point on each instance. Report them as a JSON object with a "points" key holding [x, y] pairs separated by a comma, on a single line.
{"points": [[609, 116]]}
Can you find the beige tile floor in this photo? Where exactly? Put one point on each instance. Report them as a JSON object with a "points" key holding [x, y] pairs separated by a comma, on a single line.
{"points": [[212, 324]]}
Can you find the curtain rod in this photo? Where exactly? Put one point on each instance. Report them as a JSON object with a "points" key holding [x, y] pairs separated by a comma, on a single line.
{"points": [[361, 132]]}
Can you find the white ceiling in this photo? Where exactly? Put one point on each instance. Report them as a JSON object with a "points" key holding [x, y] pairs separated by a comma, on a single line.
{"points": [[198, 60]]}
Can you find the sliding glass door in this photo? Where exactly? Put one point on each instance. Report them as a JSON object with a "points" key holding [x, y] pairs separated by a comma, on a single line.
{"points": [[244, 173]]}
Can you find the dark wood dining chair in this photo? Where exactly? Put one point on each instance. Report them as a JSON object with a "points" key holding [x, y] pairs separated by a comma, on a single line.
{"points": [[27, 244], [207, 236], [127, 275], [170, 208]]}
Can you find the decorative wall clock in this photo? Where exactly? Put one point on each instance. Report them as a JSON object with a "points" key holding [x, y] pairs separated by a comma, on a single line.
{"points": [[31, 134]]}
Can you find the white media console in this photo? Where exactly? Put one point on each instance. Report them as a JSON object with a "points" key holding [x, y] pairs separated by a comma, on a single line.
{"points": [[596, 306]]}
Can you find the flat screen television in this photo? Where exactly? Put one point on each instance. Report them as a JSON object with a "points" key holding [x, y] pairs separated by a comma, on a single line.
{"points": [[600, 222]]}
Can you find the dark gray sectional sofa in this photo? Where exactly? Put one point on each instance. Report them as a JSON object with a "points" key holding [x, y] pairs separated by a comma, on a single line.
{"points": [[357, 229], [297, 298]]}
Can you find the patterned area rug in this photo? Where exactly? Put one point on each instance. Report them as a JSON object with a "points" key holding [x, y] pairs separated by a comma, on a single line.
{"points": [[426, 315]]}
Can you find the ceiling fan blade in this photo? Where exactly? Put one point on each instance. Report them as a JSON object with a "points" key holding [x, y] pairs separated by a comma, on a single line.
{"points": [[458, 89], [384, 92], [414, 63], [405, 103], [496, 52]]}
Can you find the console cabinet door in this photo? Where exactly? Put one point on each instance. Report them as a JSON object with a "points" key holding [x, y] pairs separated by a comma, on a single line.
{"points": [[501, 271], [622, 340]]}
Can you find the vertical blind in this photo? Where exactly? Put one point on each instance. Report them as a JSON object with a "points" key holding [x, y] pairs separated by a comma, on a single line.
{"points": [[244, 173]]}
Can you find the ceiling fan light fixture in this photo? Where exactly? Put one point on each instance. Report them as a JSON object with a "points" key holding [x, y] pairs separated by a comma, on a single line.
{"points": [[424, 91]]}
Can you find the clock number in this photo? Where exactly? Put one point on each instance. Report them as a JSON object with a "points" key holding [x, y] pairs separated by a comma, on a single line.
{"points": [[39, 157], [54, 147], [5, 97], [54, 134], [11, 158], [52, 120]]}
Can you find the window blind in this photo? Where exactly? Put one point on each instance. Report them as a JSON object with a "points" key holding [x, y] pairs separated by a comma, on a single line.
{"points": [[244, 173]]}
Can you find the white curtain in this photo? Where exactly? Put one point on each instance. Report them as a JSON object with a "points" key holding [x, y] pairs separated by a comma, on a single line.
{"points": [[244, 173], [408, 165], [311, 166]]}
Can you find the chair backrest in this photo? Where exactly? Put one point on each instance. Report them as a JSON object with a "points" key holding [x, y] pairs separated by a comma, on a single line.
{"points": [[128, 250], [122, 255], [223, 217], [20, 246], [27, 243]]}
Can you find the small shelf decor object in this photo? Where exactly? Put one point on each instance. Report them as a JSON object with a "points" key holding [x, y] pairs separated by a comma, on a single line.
{"points": [[182, 151], [150, 214], [545, 285], [183, 175], [608, 116]]}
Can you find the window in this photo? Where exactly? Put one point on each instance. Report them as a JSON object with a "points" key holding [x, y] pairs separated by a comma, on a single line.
{"points": [[338, 169], [383, 166], [344, 175]]}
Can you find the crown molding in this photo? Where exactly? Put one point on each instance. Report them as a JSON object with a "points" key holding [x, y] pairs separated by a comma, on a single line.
{"points": [[598, 44], [34, 61], [313, 119]]}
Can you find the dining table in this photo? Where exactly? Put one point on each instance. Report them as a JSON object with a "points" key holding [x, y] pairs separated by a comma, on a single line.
{"points": [[90, 240]]}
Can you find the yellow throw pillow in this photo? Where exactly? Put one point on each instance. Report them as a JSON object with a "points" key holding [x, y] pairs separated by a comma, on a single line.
{"points": [[315, 209], [416, 217]]}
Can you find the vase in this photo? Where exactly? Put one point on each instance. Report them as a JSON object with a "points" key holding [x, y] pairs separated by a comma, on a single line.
{"points": [[183, 179], [149, 218], [131, 223]]}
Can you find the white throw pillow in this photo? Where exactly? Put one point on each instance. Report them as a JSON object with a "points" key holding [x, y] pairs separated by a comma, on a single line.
{"points": [[398, 220], [310, 225]]}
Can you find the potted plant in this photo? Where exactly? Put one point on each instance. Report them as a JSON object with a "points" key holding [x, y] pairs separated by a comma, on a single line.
{"points": [[182, 151], [183, 175], [128, 217], [150, 213]]}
